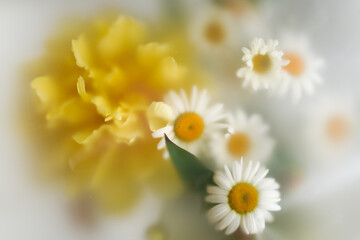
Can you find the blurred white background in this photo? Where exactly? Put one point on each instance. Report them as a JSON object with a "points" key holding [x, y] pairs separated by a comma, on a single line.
{"points": [[329, 198]]}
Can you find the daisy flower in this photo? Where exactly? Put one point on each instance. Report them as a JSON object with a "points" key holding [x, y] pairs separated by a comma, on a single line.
{"points": [[248, 139], [188, 122], [302, 73], [243, 198], [212, 30], [263, 65], [332, 129]]}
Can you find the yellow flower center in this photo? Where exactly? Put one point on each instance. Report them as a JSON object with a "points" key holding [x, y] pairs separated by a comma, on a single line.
{"points": [[296, 65], [214, 32], [189, 126], [261, 63], [337, 128], [239, 144], [243, 198]]}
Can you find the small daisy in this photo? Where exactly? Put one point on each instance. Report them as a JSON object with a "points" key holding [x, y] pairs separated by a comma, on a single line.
{"points": [[244, 198], [263, 65], [248, 139], [332, 128], [189, 121], [212, 30], [302, 73]]}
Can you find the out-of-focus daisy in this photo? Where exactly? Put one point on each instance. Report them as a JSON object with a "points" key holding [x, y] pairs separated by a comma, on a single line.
{"points": [[333, 128], [248, 18], [302, 73], [189, 122], [244, 198], [263, 65], [248, 139], [212, 31]]}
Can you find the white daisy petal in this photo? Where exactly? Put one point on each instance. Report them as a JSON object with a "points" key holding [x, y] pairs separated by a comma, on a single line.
{"points": [[226, 220], [240, 73], [161, 144], [214, 111], [216, 190], [266, 182], [271, 206], [218, 117], [236, 171], [244, 224], [251, 223], [260, 176], [222, 181], [194, 95], [219, 126], [175, 101], [246, 51], [233, 225], [218, 212], [166, 154], [268, 216], [160, 132], [216, 198], [202, 101], [270, 194], [253, 171], [247, 171], [229, 175], [259, 221], [184, 100]]}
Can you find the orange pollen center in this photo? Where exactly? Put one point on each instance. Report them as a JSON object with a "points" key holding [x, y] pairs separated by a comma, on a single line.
{"points": [[214, 32], [243, 198], [296, 65], [337, 128], [239, 144], [188, 126], [261, 63]]}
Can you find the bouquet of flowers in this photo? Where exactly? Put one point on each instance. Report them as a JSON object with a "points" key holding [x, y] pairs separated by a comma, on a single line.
{"points": [[180, 110]]}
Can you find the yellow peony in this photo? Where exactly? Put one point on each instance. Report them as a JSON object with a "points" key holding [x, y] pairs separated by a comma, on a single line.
{"points": [[94, 90]]}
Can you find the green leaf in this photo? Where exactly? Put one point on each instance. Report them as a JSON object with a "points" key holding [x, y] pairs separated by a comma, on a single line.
{"points": [[193, 172]]}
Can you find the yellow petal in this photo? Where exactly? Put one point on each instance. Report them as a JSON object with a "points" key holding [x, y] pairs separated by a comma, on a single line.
{"points": [[102, 106], [159, 114], [74, 111], [82, 52], [46, 88], [152, 53], [82, 90], [80, 137], [116, 79], [170, 72], [123, 36], [128, 129], [87, 136]]}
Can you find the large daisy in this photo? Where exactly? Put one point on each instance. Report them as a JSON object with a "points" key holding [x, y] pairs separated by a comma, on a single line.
{"points": [[243, 198], [188, 122], [263, 65], [248, 138], [302, 73]]}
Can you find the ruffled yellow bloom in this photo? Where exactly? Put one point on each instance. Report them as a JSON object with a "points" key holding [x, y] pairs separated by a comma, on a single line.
{"points": [[94, 91]]}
